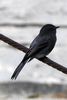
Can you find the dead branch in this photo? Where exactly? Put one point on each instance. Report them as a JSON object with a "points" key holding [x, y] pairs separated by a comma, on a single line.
{"points": [[25, 49]]}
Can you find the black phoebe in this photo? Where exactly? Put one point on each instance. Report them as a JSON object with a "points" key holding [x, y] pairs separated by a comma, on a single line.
{"points": [[41, 46]]}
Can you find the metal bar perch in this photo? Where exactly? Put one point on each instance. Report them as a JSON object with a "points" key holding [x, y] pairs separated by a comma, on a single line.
{"points": [[25, 49]]}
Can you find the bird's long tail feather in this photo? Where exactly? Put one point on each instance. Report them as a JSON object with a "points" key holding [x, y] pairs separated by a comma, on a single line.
{"points": [[18, 69]]}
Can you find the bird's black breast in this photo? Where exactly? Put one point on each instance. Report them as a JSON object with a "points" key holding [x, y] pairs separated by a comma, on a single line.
{"points": [[46, 50], [42, 45], [52, 42]]}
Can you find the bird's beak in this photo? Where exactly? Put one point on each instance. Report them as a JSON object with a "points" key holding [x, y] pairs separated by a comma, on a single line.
{"points": [[57, 26]]}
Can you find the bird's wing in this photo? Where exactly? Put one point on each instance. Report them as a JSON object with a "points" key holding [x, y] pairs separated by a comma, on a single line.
{"points": [[38, 46]]}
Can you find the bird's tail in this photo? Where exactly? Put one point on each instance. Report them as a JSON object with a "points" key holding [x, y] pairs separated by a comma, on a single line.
{"points": [[18, 69]]}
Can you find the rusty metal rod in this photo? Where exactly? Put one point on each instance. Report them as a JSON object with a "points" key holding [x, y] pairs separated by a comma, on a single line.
{"points": [[45, 60]]}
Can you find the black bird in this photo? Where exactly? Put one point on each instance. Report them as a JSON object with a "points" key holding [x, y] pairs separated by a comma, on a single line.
{"points": [[41, 46]]}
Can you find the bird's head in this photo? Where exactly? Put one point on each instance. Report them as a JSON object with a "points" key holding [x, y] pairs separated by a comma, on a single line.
{"points": [[48, 28]]}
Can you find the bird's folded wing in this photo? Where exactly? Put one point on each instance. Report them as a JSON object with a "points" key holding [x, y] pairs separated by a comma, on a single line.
{"points": [[37, 48]]}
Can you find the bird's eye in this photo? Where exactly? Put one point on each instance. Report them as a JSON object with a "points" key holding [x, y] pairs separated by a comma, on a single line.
{"points": [[51, 29]]}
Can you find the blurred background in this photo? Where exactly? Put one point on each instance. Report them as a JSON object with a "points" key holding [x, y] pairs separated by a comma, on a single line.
{"points": [[21, 21]]}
